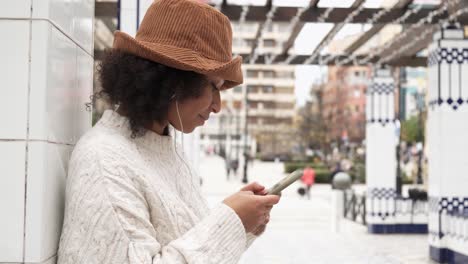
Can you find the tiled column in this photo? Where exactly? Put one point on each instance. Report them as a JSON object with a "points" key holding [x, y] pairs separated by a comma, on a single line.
{"points": [[381, 153], [46, 71], [447, 130]]}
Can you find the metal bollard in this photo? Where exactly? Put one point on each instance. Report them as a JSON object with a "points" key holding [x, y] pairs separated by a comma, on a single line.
{"points": [[337, 209]]}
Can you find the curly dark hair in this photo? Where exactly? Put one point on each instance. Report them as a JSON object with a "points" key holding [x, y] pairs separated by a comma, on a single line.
{"points": [[143, 89]]}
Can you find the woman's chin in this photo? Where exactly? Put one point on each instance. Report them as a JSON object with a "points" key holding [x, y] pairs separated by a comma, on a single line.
{"points": [[186, 130]]}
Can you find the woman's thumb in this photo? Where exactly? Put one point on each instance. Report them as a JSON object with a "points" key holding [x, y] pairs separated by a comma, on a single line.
{"points": [[253, 187]]}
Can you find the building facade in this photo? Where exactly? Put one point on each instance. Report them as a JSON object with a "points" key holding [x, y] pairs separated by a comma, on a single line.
{"points": [[271, 101], [344, 99]]}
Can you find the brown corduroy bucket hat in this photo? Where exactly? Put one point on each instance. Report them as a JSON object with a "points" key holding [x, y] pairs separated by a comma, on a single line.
{"points": [[186, 35]]}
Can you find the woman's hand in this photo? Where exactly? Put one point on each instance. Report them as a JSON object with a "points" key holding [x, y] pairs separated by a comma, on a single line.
{"points": [[256, 188], [252, 206]]}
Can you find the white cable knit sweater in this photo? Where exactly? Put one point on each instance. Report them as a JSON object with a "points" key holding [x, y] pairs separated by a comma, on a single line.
{"points": [[134, 201]]}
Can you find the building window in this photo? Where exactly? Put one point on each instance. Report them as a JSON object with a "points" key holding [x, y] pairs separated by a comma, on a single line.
{"points": [[285, 74], [269, 43], [252, 73], [249, 42], [269, 105], [269, 74], [284, 90], [237, 104], [267, 89], [238, 89], [252, 88]]}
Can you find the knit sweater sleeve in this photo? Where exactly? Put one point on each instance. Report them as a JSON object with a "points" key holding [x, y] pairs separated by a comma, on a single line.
{"points": [[115, 227]]}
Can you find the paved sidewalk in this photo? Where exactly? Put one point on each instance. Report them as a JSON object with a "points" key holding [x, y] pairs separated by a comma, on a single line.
{"points": [[300, 230]]}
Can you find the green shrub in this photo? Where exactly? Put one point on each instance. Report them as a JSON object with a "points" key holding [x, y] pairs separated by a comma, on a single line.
{"points": [[322, 174], [292, 166], [358, 173]]}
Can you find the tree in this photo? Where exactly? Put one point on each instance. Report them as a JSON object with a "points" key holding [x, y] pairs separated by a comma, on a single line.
{"points": [[412, 130], [312, 127]]}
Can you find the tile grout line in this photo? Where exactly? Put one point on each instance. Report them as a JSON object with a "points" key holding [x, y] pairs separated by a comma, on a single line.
{"points": [[28, 100], [56, 26], [37, 140]]}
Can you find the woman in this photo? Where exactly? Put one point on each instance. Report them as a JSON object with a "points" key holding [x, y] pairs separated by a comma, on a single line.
{"points": [[131, 197]]}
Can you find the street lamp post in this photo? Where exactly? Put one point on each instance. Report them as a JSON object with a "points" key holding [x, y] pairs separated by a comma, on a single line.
{"points": [[246, 155], [420, 106], [400, 114]]}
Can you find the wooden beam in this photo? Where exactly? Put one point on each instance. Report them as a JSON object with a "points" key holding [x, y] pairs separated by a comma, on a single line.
{"points": [[414, 48], [106, 9], [297, 29], [374, 30], [334, 31], [300, 59], [258, 34], [285, 14], [363, 38], [455, 6], [405, 37], [410, 62]]}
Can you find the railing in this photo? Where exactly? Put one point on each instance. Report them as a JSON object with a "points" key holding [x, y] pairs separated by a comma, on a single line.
{"points": [[355, 207]]}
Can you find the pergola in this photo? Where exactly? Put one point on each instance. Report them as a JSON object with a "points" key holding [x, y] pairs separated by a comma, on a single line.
{"points": [[419, 23]]}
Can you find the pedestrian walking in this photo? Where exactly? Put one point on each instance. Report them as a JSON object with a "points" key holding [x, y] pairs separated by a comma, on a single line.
{"points": [[308, 179], [228, 165], [131, 195]]}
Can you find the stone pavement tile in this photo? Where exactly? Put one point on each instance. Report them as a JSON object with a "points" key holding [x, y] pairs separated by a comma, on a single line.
{"points": [[300, 230]]}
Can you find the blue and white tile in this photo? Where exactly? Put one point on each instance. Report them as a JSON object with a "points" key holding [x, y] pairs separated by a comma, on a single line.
{"points": [[15, 9], [12, 184], [14, 72], [53, 81], [47, 169]]}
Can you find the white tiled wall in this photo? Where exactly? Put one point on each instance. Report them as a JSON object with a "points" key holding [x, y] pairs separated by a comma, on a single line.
{"points": [[48, 63], [52, 115], [12, 182], [15, 9], [13, 78], [74, 18], [84, 80], [83, 24], [47, 167]]}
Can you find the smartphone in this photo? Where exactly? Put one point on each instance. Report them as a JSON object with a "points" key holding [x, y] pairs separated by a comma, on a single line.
{"points": [[285, 182]]}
